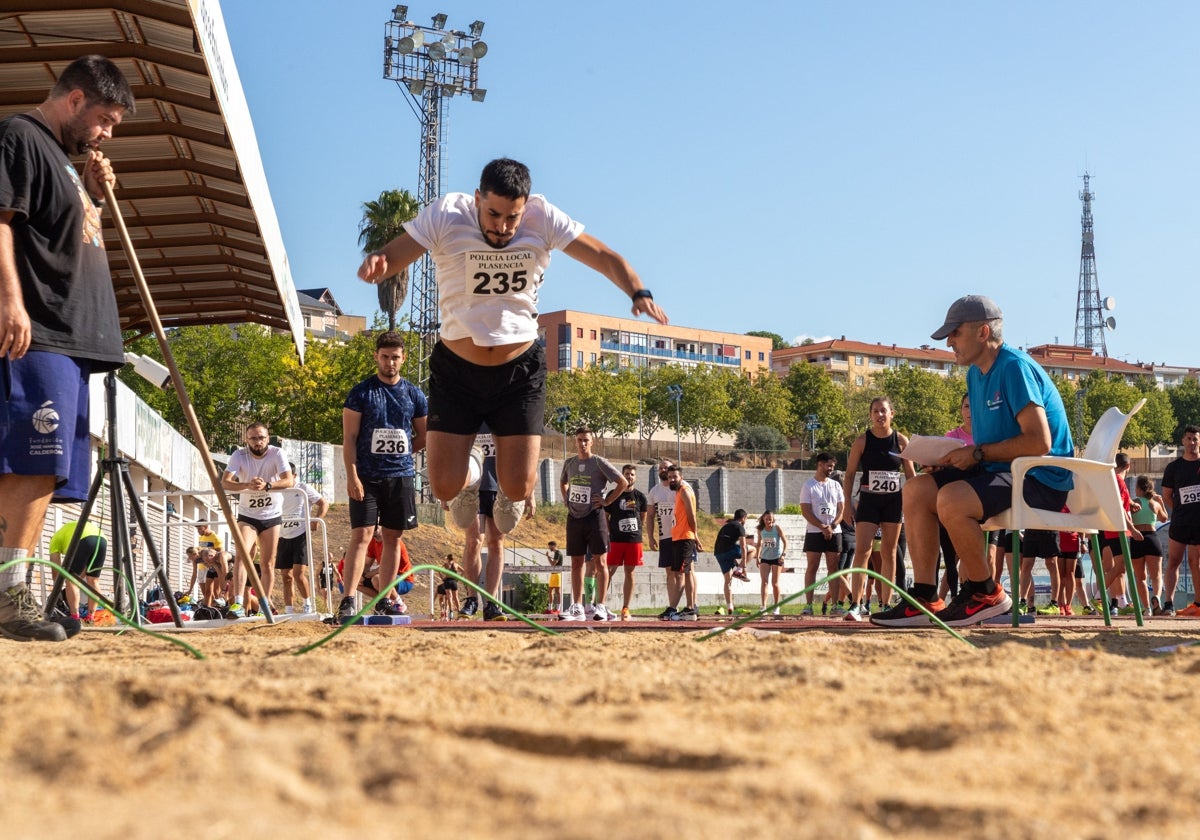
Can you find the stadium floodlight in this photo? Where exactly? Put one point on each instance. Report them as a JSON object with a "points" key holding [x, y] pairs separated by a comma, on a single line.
{"points": [[437, 50], [416, 86], [478, 94], [400, 14], [476, 29], [479, 48], [439, 21]]}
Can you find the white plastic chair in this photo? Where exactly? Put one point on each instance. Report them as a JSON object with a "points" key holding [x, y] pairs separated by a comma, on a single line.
{"points": [[1094, 504]]}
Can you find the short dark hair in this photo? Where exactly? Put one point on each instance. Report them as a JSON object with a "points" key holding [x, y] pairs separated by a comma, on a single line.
{"points": [[1191, 428], [391, 338], [825, 456], [506, 178], [1122, 460], [740, 513], [583, 430], [101, 81]]}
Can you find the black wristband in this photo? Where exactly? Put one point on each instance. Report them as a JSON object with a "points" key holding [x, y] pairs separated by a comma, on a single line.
{"points": [[641, 293]]}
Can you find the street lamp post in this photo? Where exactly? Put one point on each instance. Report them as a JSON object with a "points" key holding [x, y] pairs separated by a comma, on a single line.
{"points": [[812, 423], [675, 394]]}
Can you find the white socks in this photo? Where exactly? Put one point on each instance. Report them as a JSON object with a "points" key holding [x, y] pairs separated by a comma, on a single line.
{"points": [[16, 574]]}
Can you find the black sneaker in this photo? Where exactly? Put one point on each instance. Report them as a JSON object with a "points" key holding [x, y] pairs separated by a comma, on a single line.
{"points": [[905, 614], [469, 607], [668, 614], [346, 611], [968, 609], [492, 612], [387, 607], [21, 618], [687, 614]]}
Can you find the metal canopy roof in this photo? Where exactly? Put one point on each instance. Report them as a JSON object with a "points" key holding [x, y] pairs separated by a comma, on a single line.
{"points": [[190, 182]]}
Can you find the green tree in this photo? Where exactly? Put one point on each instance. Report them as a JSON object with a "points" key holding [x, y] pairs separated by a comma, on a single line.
{"points": [[777, 341], [814, 392], [382, 221], [1185, 404], [764, 401], [925, 403], [1102, 391]]}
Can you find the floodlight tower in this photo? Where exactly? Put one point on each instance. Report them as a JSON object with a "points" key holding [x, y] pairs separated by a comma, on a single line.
{"points": [[1090, 321], [431, 64]]}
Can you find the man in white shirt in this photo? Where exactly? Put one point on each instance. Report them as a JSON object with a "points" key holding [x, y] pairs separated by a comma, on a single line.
{"points": [[822, 502], [491, 251]]}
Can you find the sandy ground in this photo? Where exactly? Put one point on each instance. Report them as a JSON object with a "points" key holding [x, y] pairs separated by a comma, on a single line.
{"points": [[651, 733]]}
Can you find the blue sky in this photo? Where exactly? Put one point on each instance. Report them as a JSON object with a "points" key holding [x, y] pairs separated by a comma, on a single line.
{"points": [[813, 169]]}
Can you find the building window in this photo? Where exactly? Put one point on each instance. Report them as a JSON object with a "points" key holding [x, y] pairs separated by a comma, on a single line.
{"points": [[564, 357], [579, 332], [564, 333], [762, 356], [858, 380], [747, 355], [858, 360], [593, 332], [593, 359], [579, 359]]}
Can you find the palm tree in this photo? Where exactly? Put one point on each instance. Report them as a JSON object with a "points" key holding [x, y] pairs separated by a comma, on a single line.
{"points": [[382, 221]]}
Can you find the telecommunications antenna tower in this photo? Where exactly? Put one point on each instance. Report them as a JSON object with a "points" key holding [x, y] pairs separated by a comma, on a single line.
{"points": [[1090, 320]]}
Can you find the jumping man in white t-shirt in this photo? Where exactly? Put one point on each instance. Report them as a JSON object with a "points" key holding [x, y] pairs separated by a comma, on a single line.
{"points": [[491, 251]]}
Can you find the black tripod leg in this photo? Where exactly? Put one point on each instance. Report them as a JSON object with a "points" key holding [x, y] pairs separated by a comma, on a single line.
{"points": [[163, 580], [73, 549]]}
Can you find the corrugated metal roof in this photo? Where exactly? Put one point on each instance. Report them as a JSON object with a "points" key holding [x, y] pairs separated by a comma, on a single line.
{"points": [[190, 182]]}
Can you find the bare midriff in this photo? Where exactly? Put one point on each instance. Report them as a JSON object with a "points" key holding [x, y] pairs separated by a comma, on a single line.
{"points": [[476, 354]]}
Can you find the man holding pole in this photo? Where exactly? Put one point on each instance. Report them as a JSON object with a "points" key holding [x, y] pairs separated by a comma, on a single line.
{"points": [[58, 313]]}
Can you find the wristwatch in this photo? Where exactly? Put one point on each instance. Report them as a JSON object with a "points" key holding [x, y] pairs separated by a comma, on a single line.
{"points": [[267, 486], [978, 453]]}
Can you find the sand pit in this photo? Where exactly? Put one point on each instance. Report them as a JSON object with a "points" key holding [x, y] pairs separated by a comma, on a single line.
{"points": [[489, 732]]}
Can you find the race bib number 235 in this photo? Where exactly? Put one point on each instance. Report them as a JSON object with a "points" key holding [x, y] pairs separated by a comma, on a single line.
{"points": [[500, 272]]}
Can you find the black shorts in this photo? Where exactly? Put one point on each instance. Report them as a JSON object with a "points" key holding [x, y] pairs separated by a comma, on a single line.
{"points": [[89, 556], [1147, 546], [878, 508], [1079, 568], [487, 502], [1113, 544], [1185, 530], [1068, 555], [994, 490], [260, 525], [510, 398], [1042, 544], [210, 574], [588, 535], [683, 555], [666, 554], [816, 542], [292, 552], [389, 502]]}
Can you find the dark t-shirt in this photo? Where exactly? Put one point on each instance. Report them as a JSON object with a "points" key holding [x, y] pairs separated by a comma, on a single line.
{"points": [[58, 247], [728, 536], [625, 517], [385, 431], [1182, 477]]}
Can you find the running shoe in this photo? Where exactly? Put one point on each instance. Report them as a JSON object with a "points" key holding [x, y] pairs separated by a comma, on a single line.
{"points": [[856, 612], [464, 508], [574, 613], [599, 613], [1155, 605], [1088, 609], [667, 614], [238, 611], [625, 613], [740, 574], [506, 513], [386, 607], [905, 614], [968, 609], [589, 611], [808, 611], [492, 612], [1050, 609], [686, 614], [1129, 610], [1066, 609], [1192, 610], [1168, 609], [21, 618], [469, 607], [345, 611], [838, 609]]}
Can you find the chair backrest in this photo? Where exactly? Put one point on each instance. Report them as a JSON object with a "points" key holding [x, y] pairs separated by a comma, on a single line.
{"points": [[1106, 436]]}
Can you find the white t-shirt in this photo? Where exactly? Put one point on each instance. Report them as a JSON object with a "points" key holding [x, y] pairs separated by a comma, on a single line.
{"points": [[664, 514], [824, 496], [489, 294], [293, 510], [258, 504]]}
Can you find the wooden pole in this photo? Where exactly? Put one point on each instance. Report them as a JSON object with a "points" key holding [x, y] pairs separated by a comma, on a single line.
{"points": [[185, 403]]}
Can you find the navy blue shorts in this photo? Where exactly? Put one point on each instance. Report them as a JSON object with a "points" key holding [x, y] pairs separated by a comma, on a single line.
{"points": [[44, 421], [728, 560], [994, 490]]}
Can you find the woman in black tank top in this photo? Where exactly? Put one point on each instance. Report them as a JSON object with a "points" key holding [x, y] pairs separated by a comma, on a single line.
{"points": [[879, 501]]}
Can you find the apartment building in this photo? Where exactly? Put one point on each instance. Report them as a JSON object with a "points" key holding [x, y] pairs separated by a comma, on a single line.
{"points": [[1074, 363], [855, 362], [576, 340]]}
